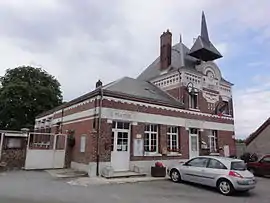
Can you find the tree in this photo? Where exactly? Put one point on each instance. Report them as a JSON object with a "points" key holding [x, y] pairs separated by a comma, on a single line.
{"points": [[26, 92]]}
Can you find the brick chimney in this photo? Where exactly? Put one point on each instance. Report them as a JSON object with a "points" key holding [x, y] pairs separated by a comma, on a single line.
{"points": [[165, 50]]}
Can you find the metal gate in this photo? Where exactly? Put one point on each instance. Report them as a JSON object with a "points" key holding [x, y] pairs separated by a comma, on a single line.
{"points": [[45, 151]]}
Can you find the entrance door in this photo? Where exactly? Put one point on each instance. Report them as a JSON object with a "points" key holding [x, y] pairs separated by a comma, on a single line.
{"points": [[120, 153], [193, 143]]}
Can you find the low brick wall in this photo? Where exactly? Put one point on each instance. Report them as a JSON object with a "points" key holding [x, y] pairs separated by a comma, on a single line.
{"points": [[13, 158]]}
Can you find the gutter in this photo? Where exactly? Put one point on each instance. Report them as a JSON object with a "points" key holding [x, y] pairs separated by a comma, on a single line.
{"points": [[99, 130]]}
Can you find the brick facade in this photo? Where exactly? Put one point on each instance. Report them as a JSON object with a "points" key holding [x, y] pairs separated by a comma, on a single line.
{"points": [[202, 103]]}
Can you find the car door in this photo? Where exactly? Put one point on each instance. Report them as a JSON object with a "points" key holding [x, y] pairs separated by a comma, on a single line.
{"points": [[192, 170], [213, 170], [264, 166]]}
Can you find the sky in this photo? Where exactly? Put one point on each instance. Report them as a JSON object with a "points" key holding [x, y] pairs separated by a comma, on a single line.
{"points": [[82, 41]]}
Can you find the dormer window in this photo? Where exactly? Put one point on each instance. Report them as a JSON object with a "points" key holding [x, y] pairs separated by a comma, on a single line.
{"points": [[193, 101]]}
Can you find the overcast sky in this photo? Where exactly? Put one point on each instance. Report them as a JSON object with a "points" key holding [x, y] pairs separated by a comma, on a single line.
{"points": [[81, 41]]}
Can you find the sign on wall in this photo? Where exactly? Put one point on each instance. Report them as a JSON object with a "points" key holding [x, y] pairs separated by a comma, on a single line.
{"points": [[138, 147]]}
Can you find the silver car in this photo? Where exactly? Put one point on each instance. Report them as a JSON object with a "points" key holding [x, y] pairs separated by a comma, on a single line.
{"points": [[226, 174]]}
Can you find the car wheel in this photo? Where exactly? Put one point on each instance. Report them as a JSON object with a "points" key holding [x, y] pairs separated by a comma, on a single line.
{"points": [[225, 187], [175, 176]]}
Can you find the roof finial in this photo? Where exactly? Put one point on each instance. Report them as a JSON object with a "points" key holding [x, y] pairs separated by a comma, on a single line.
{"points": [[204, 32], [180, 39]]}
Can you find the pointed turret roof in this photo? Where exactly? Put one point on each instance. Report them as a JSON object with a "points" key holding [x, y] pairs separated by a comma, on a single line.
{"points": [[203, 49]]}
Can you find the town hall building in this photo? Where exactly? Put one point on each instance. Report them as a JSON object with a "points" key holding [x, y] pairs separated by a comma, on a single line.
{"points": [[179, 107]]}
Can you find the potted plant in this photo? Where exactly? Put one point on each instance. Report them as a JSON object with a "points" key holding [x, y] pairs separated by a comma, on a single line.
{"points": [[159, 170]]}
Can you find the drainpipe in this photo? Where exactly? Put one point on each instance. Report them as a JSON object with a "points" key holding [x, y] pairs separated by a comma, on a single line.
{"points": [[179, 92], [62, 119], [99, 129]]}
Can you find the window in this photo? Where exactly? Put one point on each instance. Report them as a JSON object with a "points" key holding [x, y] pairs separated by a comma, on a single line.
{"points": [[172, 139], [193, 101], [120, 125], [83, 143], [151, 138], [198, 162], [238, 166], [216, 164], [213, 141], [266, 160], [122, 141], [226, 109]]}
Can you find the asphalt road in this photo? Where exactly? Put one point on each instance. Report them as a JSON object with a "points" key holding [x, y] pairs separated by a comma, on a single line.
{"points": [[39, 187]]}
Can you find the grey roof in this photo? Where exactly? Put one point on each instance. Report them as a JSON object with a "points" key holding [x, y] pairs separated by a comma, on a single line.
{"points": [[142, 90], [203, 49], [153, 70]]}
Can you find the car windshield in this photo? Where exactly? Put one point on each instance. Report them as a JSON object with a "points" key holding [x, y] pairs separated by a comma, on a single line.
{"points": [[238, 166]]}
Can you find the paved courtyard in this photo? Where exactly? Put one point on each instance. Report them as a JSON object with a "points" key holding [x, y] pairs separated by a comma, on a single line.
{"points": [[40, 187]]}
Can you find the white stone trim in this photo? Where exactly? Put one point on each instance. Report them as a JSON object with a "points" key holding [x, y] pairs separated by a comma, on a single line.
{"points": [[116, 114], [68, 108], [74, 116], [164, 107]]}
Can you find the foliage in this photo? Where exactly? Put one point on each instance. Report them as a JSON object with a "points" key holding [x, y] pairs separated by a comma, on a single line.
{"points": [[26, 92], [240, 141]]}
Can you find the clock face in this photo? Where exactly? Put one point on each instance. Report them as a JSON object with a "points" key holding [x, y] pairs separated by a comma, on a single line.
{"points": [[210, 75]]}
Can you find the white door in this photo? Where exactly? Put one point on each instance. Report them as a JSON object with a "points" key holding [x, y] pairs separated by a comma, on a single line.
{"points": [[120, 153], [193, 143]]}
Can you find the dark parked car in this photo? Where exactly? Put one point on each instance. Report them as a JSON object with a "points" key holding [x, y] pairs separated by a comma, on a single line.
{"points": [[260, 167]]}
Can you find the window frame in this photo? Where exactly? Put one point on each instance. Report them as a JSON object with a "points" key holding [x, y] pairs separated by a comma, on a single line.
{"points": [[214, 136], [82, 144], [191, 101], [211, 159], [149, 132], [170, 134], [187, 163]]}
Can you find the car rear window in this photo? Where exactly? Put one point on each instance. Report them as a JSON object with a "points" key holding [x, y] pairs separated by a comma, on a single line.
{"points": [[238, 166]]}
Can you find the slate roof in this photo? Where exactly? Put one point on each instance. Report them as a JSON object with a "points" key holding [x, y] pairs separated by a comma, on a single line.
{"points": [[153, 70], [127, 88], [203, 49], [141, 90]]}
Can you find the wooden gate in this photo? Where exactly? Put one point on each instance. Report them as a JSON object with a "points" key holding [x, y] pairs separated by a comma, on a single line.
{"points": [[45, 151]]}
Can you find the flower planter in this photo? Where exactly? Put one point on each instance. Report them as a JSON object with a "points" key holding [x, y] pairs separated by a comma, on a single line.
{"points": [[158, 171]]}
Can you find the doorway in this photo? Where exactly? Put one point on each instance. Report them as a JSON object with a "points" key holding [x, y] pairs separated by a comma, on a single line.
{"points": [[193, 142], [120, 152]]}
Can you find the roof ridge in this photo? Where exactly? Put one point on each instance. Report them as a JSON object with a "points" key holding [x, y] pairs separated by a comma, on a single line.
{"points": [[253, 135]]}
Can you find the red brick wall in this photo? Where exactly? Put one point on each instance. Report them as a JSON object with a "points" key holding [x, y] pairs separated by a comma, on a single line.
{"points": [[175, 92], [151, 110], [225, 138], [184, 137], [202, 103], [81, 128]]}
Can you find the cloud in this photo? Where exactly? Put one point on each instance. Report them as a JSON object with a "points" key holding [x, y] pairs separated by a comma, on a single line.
{"points": [[251, 107]]}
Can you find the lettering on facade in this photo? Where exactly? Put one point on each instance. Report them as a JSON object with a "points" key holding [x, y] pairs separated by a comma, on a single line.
{"points": [[121, 115]]}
